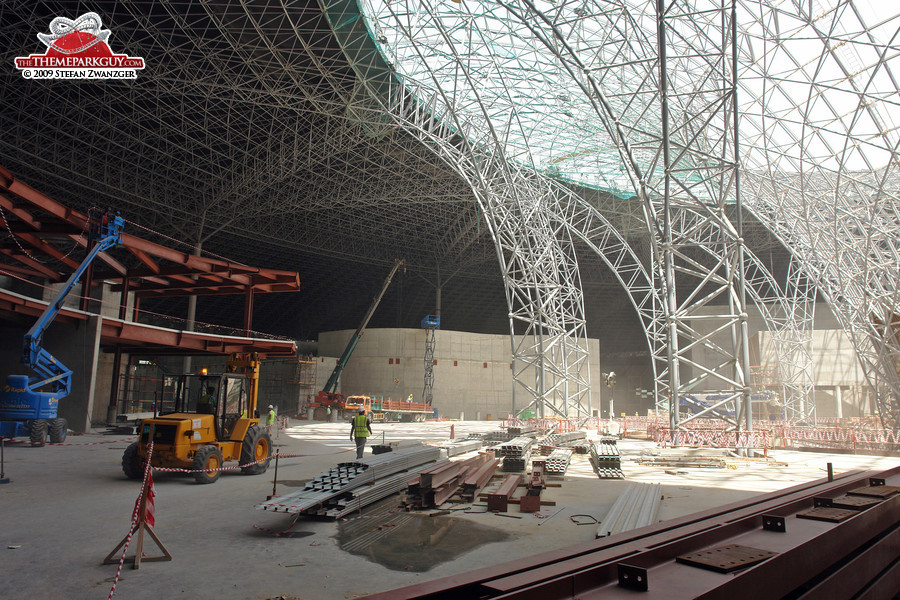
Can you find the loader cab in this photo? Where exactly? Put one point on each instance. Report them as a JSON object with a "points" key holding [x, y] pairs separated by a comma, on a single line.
{"points": [[226, 397]]}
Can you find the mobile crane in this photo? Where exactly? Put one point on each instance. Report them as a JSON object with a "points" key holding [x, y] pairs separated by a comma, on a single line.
{"points": [[24, 408], [328, 398]]}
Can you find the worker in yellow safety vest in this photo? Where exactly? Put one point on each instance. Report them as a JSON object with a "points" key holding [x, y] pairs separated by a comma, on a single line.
{"points": [[360, 429]]}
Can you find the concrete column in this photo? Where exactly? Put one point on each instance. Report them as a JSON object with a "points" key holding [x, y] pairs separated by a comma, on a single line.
{"points": [[78, 406]]}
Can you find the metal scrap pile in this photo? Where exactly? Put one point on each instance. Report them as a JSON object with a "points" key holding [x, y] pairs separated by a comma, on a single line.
{"points": [[350, 486]]}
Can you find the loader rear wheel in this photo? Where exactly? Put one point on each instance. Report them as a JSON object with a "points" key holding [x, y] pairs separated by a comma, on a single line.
{"points": [[59, 428], [207, 457], [132, 465], [38, 432], [257, 445]]}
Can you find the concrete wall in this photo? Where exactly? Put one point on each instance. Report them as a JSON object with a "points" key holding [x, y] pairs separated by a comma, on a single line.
{"points": [[840, 386], [75, 346], [472, 377]]}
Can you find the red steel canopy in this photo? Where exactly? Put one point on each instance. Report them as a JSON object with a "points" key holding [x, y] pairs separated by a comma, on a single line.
{"points": [[42, 229]]}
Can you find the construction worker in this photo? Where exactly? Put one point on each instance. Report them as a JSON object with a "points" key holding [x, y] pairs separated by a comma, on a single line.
{"points": [[360, 429], [207, 402], [270, 419]]}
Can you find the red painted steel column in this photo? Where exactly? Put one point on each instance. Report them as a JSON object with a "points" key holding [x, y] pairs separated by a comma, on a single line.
{"points": [[248, 310], [123, 301]]}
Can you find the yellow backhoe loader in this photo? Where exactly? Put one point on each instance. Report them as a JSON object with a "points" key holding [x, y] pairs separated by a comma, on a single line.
{"points": [[214, 420]]}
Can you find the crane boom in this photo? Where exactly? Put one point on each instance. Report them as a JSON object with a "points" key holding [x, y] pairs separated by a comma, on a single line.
{"points": [[354, 340]]}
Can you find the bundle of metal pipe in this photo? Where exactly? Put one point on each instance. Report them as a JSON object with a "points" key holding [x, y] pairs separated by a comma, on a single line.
{"points": [[636, 507], [558, 461], [605, 459], [514, 464], [346, 477]]}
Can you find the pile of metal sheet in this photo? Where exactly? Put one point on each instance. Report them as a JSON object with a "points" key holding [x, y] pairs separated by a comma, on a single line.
{"points": [[352, 485], [635, 507], [605, 459], [437, 483], [558, 461], [516, 453], [461, 447]]}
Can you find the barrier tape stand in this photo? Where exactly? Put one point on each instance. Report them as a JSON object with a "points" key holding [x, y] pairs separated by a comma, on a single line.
{"points": [[140, 525]]}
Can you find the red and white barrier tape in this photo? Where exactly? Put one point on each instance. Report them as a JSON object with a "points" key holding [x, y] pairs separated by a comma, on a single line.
{"points": [[135, 515], [249, 464], [9, 441]]}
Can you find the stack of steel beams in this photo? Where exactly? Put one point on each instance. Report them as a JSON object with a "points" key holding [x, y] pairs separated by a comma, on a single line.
{"points": [[477, 480], [564, 439], [461, 447], [761, 547], [526, 430], [605, 459], [515, 453], [437, 483], [558, 461], [335, 492]]}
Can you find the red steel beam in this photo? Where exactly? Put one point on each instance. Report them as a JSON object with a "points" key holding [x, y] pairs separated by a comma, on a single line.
{"points": [[499, 500], [590, 570], [149, 338], [22, 200]]}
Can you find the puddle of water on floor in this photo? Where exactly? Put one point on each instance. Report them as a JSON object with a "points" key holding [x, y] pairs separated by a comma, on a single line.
{"points": [[404, 541]]}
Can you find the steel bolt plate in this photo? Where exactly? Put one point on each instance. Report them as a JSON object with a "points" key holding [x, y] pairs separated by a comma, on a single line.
{"points": [[832, 515], [855, 502], [876, 491], [726, 559]]}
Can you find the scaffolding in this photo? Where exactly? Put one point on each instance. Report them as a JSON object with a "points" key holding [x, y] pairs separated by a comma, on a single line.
{"points": [[430, 324]]}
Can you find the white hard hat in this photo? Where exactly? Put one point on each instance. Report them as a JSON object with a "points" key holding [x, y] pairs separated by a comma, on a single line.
{"points": [[270, 406]]}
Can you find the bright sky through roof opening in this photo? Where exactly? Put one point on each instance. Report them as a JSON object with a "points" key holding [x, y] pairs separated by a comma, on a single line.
{"points": [[816, 81]]}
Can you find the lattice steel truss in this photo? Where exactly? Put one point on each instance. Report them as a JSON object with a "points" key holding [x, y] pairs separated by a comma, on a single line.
{"points": [[463, 135], [649, 97]]}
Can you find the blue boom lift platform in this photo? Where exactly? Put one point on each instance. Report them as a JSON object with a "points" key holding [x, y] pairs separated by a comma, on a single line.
{"points": [[24, 408]]}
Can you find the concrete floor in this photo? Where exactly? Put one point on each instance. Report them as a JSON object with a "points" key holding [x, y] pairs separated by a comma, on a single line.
{"points": [[68, 506]]}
